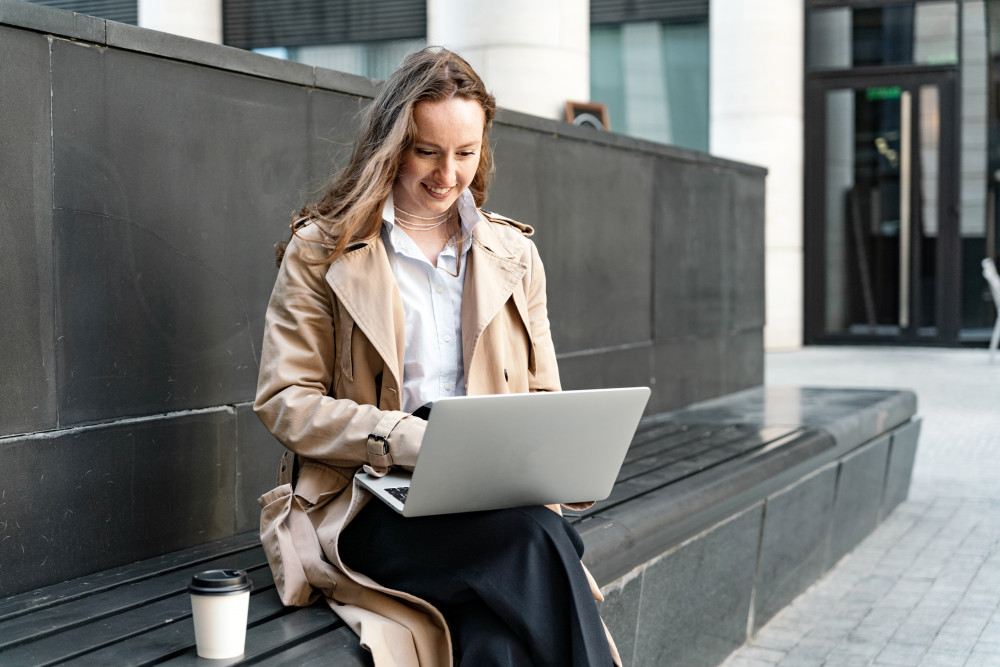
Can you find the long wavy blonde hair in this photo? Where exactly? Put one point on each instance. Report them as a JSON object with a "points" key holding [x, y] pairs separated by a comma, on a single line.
{"points": [[351, 208]]}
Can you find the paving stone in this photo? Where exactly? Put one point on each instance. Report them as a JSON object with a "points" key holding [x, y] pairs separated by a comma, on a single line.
{"points": [[835, 628], [991, 633], [953, 643], [870, 590], [939, 659], [966, 623], [801, 662], [987, 580], [874, 637], [794, 616], [742, 661], [895, 653], [767, 656], [985, 654], [940, 601], [779, 639], [809, 652], [905, 594], [928, 565], [931, 612], [884, 618], [981, 597], [913, 632], [857, 650]]}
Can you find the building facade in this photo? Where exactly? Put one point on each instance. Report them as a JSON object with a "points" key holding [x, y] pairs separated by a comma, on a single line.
{"points": [[877, 121], [898, 187]]}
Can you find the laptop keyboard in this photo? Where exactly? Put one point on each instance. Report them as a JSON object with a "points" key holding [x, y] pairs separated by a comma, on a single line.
{"points": [[399, 493]]}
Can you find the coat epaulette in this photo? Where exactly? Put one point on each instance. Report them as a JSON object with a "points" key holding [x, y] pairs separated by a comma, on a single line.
{"points": [[527, 230]]}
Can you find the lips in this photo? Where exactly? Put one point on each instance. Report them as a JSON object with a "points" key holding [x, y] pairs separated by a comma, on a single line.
{"points": [[437, 192]]}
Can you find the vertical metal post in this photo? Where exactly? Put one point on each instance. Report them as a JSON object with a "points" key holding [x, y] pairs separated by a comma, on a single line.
{"points": [[905, 185]]}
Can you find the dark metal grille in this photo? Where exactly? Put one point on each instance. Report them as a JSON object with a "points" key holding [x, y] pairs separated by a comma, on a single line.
{"points": [[122, 11], [251, 24], [627, 11]]}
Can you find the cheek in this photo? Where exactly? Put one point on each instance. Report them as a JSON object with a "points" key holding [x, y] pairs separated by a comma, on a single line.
{"points": [[469, 173], [409, 174]]}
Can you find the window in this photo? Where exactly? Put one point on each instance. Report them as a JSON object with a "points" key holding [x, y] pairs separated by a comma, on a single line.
{"points": [[923, 33], [653, 77]]}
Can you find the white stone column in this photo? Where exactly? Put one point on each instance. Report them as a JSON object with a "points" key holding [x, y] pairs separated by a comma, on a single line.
{"points": [[200, 19], [533, 54], [757, 117]]}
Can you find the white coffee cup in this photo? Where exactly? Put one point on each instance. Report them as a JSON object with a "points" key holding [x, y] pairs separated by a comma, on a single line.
{"points": [[220, 600]]}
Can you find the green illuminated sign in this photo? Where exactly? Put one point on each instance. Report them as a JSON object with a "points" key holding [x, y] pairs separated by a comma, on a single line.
{"points": [[881, 93]]}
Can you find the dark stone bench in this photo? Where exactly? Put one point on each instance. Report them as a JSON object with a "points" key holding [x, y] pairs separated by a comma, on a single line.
{"points": [[722, 514], [728, 509]]}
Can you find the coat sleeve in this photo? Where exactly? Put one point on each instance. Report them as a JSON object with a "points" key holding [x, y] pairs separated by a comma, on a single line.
{"points": [[294, 386], [546, 375]]}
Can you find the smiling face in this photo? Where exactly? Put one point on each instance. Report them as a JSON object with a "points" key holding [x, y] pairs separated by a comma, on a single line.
{"points": [[444, 157]]}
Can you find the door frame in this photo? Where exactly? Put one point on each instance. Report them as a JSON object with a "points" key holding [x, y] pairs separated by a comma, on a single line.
{"points": [[948, 255]]}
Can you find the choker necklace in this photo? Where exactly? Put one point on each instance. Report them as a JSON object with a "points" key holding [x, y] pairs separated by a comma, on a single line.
{"points": [[412, 225], [417, 217]]}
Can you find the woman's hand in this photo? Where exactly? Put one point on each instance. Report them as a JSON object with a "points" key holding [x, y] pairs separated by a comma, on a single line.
{"points": [[578, 507]]}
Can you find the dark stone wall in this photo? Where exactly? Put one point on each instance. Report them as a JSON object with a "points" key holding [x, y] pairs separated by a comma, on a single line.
{"points": [[146, 178]]}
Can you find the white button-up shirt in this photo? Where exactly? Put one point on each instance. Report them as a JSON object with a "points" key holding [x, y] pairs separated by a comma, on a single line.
{"points": [[432, 305]]}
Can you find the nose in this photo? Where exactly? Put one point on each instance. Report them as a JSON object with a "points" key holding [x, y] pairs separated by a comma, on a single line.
{"points": [[444, 172]]}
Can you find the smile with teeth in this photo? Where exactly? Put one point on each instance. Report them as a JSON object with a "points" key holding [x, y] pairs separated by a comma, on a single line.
{"points": [[440, 192]]}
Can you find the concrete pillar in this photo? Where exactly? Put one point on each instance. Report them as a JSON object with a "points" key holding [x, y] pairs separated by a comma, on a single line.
{"points": [[533, 54], [757, 117], [200, 19]]}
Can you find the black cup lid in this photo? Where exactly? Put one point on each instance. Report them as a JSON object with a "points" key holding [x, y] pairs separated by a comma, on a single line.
{"points": [[220, 582]]}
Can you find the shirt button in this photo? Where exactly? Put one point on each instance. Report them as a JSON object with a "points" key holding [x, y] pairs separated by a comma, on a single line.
{"points": [[447, 338], [447, 387], [439, 289]]}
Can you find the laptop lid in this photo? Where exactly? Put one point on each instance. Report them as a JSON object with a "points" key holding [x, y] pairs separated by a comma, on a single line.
{"points": [[511, 450]]}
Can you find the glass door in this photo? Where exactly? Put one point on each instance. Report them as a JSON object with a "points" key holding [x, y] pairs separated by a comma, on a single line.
{"points": [[880, 210]]}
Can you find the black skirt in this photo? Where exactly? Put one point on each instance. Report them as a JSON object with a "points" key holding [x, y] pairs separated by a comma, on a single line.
{"points": [[508, 582]]}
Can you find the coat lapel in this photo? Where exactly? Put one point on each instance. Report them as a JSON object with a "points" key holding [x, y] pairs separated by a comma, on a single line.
{"points": [[492, 275], [363, 282]]}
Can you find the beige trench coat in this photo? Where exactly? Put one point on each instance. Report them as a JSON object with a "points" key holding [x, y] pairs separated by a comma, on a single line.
{"points": [[329, 390]]}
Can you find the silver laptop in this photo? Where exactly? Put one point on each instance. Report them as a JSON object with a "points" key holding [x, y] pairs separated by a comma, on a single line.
{"points": [[511, 450]]}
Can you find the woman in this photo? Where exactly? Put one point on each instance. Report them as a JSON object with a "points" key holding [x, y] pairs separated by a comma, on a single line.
{"points": [[394, 290]]}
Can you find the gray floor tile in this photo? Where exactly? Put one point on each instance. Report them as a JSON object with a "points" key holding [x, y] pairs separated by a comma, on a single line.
{"points": [[761, 654], [984, 655], [743, 661], [779, 639], [905, 655], [809, 651]]}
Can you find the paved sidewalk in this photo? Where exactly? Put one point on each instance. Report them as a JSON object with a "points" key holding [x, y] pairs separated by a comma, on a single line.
{"points": [[924, 588]]}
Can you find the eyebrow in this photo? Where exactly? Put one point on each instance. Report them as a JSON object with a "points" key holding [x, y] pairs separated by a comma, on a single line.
{"points": [[420, 142]]}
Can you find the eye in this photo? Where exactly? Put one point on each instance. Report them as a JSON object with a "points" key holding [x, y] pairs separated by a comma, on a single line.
{"points": [[423, 151], [467, 153]]}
